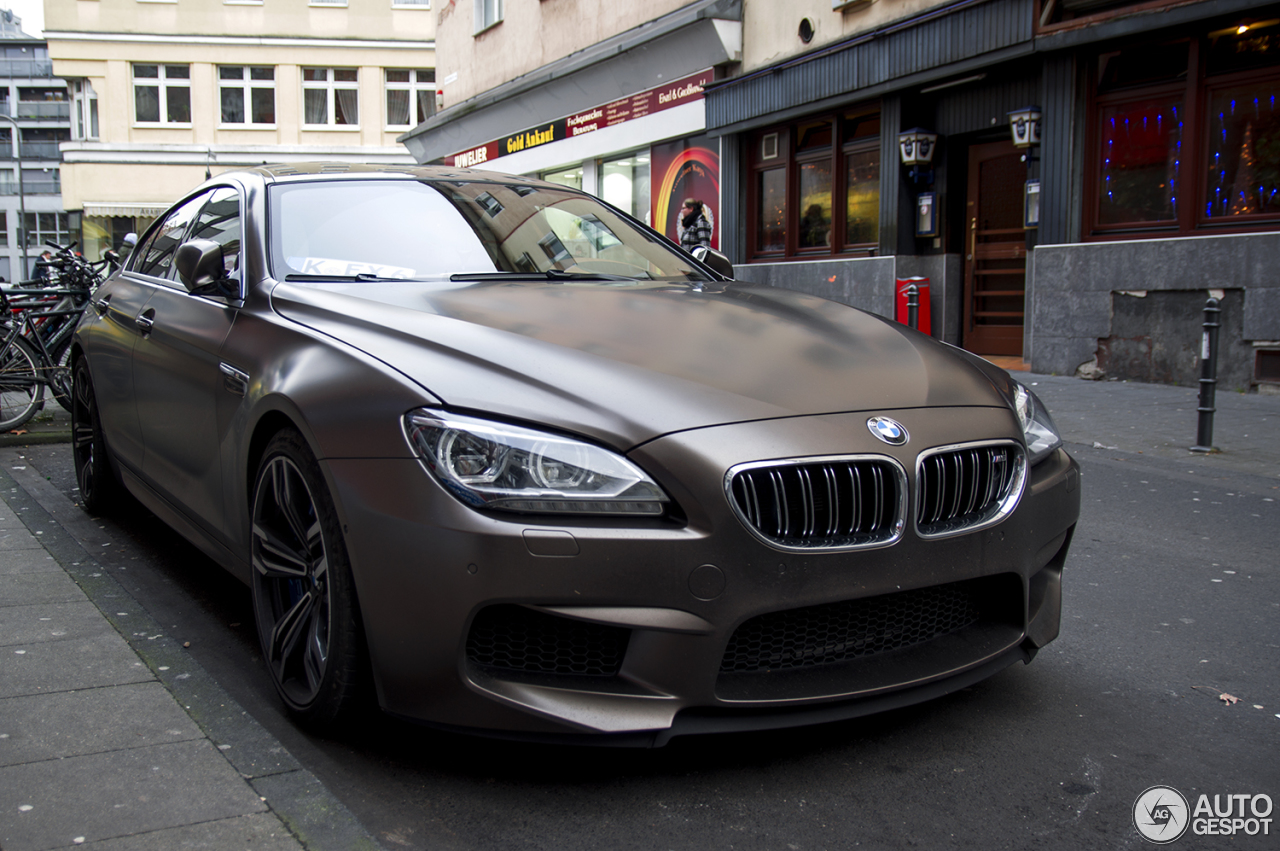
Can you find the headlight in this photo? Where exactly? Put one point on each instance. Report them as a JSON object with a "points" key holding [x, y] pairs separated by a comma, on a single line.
{"points": [[1037, 426], [495, 465]]}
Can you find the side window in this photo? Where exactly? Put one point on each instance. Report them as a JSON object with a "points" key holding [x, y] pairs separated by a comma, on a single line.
{"points": [[220, 221], [156, 256]]}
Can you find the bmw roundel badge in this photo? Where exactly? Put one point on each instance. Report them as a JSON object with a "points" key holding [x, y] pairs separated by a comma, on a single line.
{"points": [[890, 431]]}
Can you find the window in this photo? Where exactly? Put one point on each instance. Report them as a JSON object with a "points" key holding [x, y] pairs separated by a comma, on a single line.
{"points": [[4, 229], [411, 96], [46, 227], [162, 94], [247, 94], [815, 187], [571, 177], [330, 96], [624, 183], [1178, 151], [84, 109], [488, 13], [219, 221], [411, 4], [327, 2], [155, 256]]}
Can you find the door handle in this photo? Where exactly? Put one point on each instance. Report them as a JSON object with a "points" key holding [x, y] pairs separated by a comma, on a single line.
{"points": [[145, 321], [973, 237], [102, 304]]}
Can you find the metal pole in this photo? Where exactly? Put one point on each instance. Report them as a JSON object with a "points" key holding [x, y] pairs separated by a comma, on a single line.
{"points": [[913, 306], [22, 199], [1208, 377]]}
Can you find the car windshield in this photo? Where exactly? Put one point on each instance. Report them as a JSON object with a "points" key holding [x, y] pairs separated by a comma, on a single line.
{"points": [[401, 229]]}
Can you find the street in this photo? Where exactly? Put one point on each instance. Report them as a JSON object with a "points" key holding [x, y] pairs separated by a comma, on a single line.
{"points": [[1166, 673]]}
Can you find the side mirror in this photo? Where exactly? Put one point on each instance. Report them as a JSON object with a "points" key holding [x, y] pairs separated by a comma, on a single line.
{"points": [[717, 261], [199, 264]]}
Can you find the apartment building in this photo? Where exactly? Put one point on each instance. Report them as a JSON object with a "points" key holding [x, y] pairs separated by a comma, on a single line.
{"points": [[165, 92], [1074, 177], [35, 117]]}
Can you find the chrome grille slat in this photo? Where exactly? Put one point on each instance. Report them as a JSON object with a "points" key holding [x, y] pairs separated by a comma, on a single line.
{"points": [[826, 503], [962, 488]]}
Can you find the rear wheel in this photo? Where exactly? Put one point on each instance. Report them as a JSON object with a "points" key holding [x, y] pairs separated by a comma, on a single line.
{"points": [[60, 379], [303, 593], [99, 489], [21, 393]]}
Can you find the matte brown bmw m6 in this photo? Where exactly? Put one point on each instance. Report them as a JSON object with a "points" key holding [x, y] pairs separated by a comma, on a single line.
{"points": [[495, 453]]}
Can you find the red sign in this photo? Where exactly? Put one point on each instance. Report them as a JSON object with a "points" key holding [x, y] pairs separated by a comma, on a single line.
{"points": [[639, 105], [672, 94]]}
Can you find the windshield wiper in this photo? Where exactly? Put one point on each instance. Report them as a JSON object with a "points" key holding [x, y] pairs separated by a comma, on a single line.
{"points": [[549, 275], [363, 276]]}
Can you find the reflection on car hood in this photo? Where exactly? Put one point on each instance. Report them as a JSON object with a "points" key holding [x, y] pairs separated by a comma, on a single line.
{"points": [[627, 363]]}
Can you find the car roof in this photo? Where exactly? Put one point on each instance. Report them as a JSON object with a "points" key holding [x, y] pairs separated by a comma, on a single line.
{"points": [[293, 172]]}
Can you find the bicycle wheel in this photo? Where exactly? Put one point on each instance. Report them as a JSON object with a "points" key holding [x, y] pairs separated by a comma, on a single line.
{"points": [[60, 375], [21, 392]]}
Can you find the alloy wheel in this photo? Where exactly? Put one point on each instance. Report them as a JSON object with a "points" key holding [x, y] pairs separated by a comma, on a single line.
{"points": [[292, 595]]}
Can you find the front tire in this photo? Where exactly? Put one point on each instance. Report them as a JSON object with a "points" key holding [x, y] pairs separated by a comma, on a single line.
{"points": [[304, 596], [99, 489], [21, 392]]}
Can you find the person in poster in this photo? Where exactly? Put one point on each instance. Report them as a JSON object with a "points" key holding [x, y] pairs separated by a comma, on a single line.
{"points": [[686, 169]]}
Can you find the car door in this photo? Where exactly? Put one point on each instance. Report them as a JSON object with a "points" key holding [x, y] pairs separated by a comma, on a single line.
{"points": [[119, 307], [176, 371]]}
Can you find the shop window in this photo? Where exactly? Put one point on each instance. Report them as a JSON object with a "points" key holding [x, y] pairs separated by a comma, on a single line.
{"points": [[330, 97], [1141, 161], [1243, 156], [247, 94], [816, 187], [162, 94], [624, 183], [571, 177], [1180, 151], [411, 96]]}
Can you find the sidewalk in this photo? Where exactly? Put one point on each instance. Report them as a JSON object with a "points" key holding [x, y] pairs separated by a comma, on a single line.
{"points": [[111, 737]]}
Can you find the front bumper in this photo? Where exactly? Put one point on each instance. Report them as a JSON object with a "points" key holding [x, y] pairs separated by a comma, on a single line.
{"points": [[427, 566]]}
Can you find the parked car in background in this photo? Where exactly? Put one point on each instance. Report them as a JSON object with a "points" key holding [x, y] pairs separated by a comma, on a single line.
{"points": [[495, 453]]}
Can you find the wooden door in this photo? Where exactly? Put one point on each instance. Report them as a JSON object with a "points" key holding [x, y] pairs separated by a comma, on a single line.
{"points": [[995, 251]]}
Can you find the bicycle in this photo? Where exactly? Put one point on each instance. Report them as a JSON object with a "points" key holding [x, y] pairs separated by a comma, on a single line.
{"points": [[39, 343]]}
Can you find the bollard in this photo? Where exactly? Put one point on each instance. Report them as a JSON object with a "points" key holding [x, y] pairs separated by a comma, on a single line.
{"points": [[913, 306], [1208, 377]]}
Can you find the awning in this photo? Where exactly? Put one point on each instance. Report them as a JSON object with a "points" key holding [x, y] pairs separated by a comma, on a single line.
{"points": [[119, 208]]}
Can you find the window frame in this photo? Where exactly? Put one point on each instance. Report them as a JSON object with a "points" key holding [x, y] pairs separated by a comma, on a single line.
{"points": [[413, 86], [482, 21], [1195, 90], [790, 160], [331, 87], [163, 85], [246, 84]]}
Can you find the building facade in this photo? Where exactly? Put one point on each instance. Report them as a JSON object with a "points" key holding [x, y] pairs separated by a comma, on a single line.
{"points": [[602, 97], [165, 93], [1153, 184], [35, 117]]}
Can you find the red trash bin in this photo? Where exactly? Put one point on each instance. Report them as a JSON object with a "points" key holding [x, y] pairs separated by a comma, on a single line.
{"points": [[923, 322]]}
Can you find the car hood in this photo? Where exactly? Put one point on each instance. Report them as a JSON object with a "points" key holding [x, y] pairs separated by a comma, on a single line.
{"points": [[626, 363]]}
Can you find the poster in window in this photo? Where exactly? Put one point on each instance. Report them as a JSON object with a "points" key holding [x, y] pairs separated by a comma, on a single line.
{"points": [[686, 168]]}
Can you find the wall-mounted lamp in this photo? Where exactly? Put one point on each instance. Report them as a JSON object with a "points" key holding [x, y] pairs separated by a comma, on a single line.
{"points": [[1025, 124], [916, 146]]}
